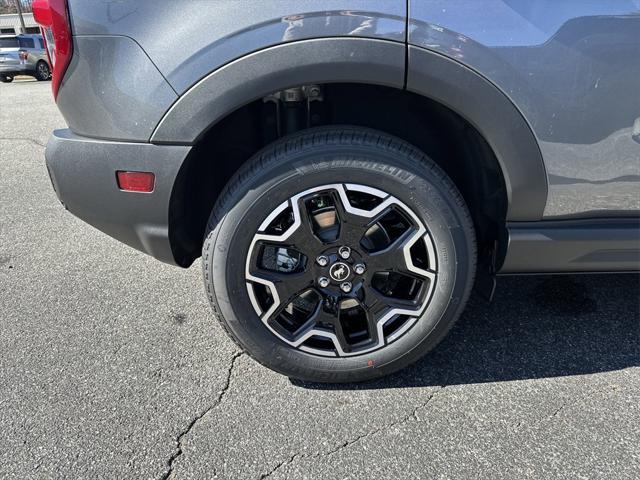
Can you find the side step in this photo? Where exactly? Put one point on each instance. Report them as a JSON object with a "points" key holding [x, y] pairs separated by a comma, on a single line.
{"points": [[572, 246]]}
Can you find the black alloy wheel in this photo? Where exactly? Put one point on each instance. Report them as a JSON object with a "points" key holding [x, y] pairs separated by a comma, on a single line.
{"points": [[341, 270]]}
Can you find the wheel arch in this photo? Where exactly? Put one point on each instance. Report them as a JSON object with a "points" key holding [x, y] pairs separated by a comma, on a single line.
{"points": [[244, 82], [496, 118], [249, 78]]}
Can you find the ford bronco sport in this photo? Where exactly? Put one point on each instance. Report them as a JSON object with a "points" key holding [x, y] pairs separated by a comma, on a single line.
{"points": [[347, 169]]}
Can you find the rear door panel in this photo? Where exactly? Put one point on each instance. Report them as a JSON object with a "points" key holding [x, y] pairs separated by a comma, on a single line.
{"points": [[573, 69]]}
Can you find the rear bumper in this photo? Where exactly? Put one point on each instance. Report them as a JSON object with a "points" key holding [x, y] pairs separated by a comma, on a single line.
{"points": [[83, 174], [15, 69]]}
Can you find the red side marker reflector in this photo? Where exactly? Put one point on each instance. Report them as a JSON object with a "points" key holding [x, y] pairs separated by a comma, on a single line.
{"points": [[136, 181]]}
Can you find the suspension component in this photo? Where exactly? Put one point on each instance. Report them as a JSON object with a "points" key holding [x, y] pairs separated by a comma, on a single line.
{"points": [[294, 109]]}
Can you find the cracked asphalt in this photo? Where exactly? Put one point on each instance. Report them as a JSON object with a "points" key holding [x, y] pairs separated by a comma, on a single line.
{"points": [[112, 366]]}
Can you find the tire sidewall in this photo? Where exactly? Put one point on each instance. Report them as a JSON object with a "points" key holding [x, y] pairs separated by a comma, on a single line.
{"points": [[421, 188]]}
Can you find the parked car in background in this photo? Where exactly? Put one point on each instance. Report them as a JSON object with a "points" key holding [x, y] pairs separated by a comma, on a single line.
{"points": [[347, 169], [23, 54]]}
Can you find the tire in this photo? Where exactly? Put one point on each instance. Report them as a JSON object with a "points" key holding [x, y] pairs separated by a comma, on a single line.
{"points": [[424, 229], [42, 71], [6, 79]]}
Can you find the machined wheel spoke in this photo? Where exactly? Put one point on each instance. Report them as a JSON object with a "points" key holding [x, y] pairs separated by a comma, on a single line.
{"points": [[392, 257], [351, 233], [304, 238], [352, 226], [380, 309], [287, 285], [378, 303], [397, 258], [327, 314]]}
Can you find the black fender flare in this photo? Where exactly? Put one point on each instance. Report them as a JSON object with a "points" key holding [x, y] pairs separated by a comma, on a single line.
{"points": [[498, 120], [249, 78], [378, 62]]}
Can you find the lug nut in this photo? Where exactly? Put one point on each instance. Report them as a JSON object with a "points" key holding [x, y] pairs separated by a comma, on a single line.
{"points": [[323, 282], [322, 260], [359, 269], [345, 287], [344, 252]]}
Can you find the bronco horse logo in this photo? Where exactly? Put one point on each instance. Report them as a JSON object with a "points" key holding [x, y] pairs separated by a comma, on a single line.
{"points": [[339, 271]]}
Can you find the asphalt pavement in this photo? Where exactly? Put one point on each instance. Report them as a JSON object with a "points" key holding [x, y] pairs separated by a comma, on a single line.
{"points": [[112, 366]]}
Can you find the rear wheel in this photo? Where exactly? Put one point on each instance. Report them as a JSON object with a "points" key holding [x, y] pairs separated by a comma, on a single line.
{"points": [[42, 71], [339, 254], [6, 79]]}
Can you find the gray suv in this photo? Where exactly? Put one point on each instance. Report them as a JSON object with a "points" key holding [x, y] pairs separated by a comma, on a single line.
{"points": [[23, 55], [349, 169]]}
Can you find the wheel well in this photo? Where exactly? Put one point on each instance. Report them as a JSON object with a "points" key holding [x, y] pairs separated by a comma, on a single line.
{"points": [[438, 131]]}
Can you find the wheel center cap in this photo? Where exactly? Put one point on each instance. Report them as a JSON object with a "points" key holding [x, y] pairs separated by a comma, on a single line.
{"points": [[339, 271]]}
